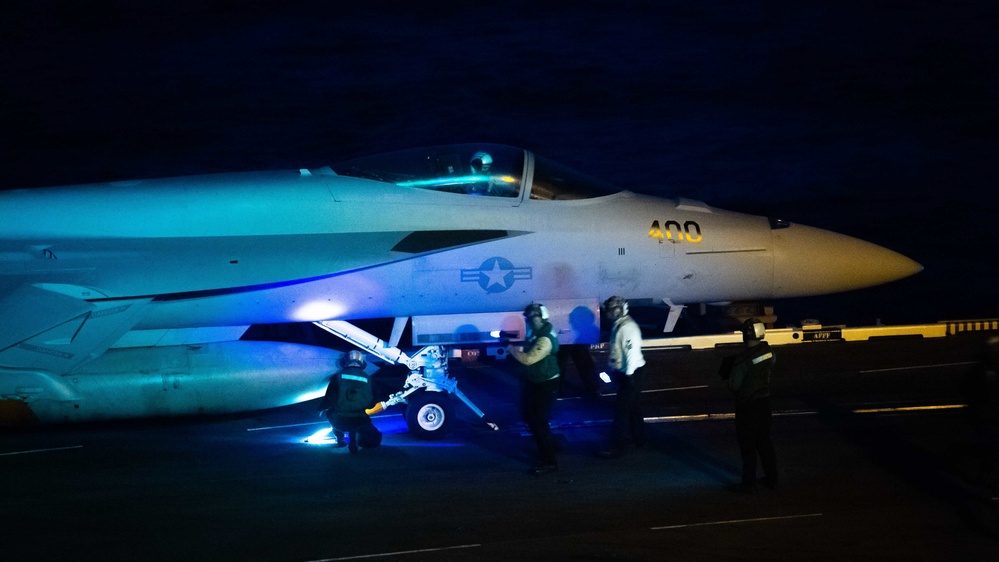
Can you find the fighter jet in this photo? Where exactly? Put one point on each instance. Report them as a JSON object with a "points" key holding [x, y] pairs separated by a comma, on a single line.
{"points": [[129, 298]]}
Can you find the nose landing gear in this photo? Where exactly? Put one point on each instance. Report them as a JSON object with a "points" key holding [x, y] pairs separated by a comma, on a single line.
{"points": [[428, 389]]}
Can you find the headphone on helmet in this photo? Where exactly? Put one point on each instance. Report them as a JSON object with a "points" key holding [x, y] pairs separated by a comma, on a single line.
{"points": [[753, 329], [535, 309]]}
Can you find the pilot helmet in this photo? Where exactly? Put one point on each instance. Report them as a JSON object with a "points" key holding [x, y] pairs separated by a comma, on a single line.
{"points": [[753, 329], [354, 359], [481, 162], [535, 309], [616, 302]]}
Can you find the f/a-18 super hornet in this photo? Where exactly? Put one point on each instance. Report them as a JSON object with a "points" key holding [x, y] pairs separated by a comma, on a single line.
{"points": [[129, 298]]}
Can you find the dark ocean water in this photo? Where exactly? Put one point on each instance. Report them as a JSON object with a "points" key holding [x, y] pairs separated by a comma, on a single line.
{"points": [[875, 119]]}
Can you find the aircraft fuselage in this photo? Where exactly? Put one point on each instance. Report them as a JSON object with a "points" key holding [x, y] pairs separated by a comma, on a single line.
{"points": [[442, 231]]}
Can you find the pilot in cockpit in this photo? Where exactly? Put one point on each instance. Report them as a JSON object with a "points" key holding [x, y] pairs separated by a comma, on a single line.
{"points": [[480, 164]]}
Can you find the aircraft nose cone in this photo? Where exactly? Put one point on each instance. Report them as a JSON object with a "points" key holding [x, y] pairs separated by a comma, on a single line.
{"points": [[812, 261]]}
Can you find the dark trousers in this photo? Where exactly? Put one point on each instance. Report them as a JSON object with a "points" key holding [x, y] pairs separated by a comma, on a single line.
{"points": [[536, 401], [359, 426], [629, 421], [752, 426], [585, 369]]}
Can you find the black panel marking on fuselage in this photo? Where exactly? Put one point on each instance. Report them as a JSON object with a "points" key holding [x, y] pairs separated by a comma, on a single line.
{"points": [[435, 240]]}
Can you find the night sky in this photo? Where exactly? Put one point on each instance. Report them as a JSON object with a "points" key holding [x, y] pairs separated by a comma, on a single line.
{"points": [[874, 119]]}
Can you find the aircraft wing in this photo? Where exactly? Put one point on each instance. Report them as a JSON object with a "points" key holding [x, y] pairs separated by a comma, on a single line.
{"points": [[51, 331]]}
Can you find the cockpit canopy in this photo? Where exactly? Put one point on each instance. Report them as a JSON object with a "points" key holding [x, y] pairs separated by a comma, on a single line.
{"points": [[477, 169]]}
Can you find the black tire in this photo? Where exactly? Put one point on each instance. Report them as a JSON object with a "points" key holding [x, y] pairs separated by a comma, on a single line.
{"points": [[429, 415]]}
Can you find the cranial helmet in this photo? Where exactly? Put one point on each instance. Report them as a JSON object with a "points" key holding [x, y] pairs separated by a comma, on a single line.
{"points": [[753, 329], [535, 309], [616, 302], [355, 359], [481, 162]]}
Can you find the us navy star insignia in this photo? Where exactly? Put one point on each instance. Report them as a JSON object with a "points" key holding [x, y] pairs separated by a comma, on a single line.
{"points": [[496, 274]]}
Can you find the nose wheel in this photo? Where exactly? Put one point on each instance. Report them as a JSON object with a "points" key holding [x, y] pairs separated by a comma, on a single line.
{"points": [[429, 414]]}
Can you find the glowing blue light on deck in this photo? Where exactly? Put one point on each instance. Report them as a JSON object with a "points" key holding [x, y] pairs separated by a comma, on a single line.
{"points": [[323, 437], [605, 377], [390, 424]]}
